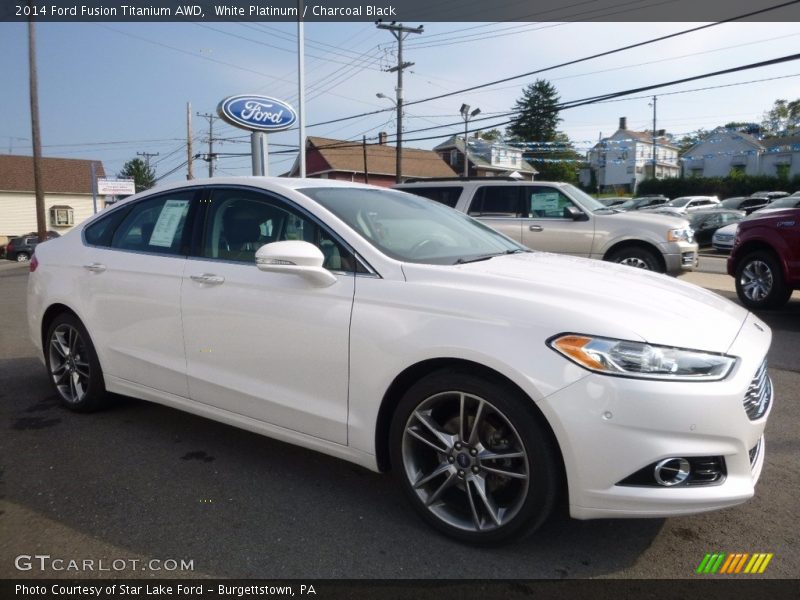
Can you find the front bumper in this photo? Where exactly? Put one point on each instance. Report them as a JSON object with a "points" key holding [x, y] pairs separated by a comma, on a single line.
{"points": [[680, 256], [611, 427]]}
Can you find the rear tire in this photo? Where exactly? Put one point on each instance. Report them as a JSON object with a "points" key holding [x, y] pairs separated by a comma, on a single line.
{"points": [[635, 256], [474, 458], [73, 365], [760, 283]]}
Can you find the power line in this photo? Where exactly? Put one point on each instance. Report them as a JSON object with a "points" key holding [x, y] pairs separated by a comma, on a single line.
{"points": [[568, 63]]}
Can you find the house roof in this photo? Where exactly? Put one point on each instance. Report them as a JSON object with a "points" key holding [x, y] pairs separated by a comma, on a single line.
{"points": [[791, 140], [477, 160], [61, 175], [341, 155], [646, 137]]}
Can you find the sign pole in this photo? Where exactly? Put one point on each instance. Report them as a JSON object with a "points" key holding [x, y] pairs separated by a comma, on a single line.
{"points": [[94, 187]]}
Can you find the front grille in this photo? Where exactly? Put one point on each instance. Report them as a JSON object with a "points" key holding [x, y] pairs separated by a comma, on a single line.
{"points": [[759, 394], [688, 259], [724, 237]]}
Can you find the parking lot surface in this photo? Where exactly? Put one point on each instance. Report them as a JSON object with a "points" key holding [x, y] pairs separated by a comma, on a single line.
{"points": [[140, 482]]}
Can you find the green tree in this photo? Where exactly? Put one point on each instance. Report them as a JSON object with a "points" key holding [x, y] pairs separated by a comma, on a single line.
{"points": [[144, 177], [491, 135], [538, 114], [558, 161], [782, 119]]}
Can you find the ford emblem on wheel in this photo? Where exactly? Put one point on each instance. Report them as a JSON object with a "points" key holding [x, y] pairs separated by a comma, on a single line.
{"points": [[258, 113]]}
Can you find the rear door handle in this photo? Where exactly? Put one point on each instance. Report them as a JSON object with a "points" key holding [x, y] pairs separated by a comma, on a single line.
{"points": [[208, 278], [95, 267], [535, 228]]}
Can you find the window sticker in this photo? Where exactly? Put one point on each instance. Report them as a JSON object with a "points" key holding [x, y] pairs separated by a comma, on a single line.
{"points": [[546, 202], [168, 222]]}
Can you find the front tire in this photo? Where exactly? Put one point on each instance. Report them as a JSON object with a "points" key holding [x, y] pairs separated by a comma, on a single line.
{"points": [[640, 258], [22, 257], [473, 457], [760, 283], [73, 365]]}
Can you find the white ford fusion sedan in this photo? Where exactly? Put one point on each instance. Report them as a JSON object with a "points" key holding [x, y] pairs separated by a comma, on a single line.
{"points": [[394, 332]]}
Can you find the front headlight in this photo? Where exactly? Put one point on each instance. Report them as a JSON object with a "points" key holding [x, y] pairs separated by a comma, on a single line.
{"points": [[640, 360], [680, 235]]}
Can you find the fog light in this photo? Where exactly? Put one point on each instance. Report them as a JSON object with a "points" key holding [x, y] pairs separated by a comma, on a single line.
{"points": [[671, 471]]}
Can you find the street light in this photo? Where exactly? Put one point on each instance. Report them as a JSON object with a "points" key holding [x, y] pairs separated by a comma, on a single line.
{"points": [[467, 115]]}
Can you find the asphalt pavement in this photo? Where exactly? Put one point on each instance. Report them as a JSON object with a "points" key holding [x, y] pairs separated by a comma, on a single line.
{"points": [[140, 482]]}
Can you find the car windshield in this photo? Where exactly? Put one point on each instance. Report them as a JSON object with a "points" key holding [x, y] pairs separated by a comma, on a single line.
{"points": [[411, 228], [731, 203], [586, 200], [790, 202], [678, 202]]}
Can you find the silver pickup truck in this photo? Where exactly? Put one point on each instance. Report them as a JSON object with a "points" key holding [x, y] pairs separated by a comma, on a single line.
{"points": [[558, 217]]}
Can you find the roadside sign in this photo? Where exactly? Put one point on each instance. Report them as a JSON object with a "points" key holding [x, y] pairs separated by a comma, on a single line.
{"points": [[257, 113], [115, 187]]}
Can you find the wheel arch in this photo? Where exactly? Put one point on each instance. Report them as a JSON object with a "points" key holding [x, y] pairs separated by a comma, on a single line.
{"points": [[634, 243], [408, 377], [758, 245], [50, 314]]}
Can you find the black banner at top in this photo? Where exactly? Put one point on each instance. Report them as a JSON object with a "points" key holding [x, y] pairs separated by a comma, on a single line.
{"points": [[406, 11]]}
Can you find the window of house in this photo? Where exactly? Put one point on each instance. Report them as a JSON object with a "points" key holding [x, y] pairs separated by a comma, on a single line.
{"points": [[453, 157], [62, 216]]}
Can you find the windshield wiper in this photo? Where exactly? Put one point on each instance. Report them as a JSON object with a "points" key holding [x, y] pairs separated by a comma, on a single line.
{"points": [[464, 261]]}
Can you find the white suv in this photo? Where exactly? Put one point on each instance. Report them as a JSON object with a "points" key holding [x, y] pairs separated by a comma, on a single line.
{"points": [[558, 217]]}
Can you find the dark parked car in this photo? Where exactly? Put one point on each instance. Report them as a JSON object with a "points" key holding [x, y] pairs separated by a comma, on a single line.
{"points": [[792, 201], [765, 259], [21, 248], [747, 204], [643, 202], [705, 222], [614, 202]]}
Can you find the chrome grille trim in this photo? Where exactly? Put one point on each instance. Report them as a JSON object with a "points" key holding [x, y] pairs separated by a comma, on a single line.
{"points": [[759, 394]]}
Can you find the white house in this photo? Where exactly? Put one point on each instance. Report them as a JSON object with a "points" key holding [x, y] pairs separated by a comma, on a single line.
{"points": [[626, 158], [67, 186], [486, 158], [722, 152]]}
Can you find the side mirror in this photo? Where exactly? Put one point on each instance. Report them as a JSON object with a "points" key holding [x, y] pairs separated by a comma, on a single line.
{"points": [[574, 213], [295, 258]]}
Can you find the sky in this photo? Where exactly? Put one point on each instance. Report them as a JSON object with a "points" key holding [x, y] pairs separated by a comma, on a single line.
{"points": [[110, 90]]}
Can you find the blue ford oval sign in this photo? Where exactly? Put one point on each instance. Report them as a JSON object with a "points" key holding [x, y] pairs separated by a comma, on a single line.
{"points": [[257, 113]]}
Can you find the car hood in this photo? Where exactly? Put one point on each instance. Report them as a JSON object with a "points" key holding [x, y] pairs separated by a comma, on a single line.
{"points": [[652, 221], [727, 230], [570, 294]]}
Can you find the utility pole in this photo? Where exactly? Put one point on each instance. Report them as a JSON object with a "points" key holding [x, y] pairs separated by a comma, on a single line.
{"points": [[400, 33], [36, 140], [654, 136], [301, 89], [147, 156], [364, 148], [211, 118], [189, 170]]}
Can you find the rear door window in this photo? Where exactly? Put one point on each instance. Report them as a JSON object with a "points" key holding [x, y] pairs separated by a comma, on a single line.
{"points": [[447, 195], [497, 201], [155, 225]]}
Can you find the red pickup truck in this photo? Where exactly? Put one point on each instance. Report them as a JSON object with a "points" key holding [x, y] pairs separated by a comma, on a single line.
{"points": [[765, 259]]}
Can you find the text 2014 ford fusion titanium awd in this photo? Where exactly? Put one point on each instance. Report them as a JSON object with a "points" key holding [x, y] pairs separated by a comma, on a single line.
{"points": [[394, 332]]}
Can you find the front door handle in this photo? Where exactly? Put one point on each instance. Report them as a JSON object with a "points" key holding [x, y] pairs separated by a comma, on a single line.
{"points": [[208, 278], [535, 228], [95, 267]]}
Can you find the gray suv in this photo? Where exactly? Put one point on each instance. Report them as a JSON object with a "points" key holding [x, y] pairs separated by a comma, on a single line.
{"points": [[558, 217]]}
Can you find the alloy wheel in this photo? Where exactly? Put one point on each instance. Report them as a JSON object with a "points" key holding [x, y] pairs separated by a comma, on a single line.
{"points": [[465, 461], [756, 280], [634, 261], [69, 363]]}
